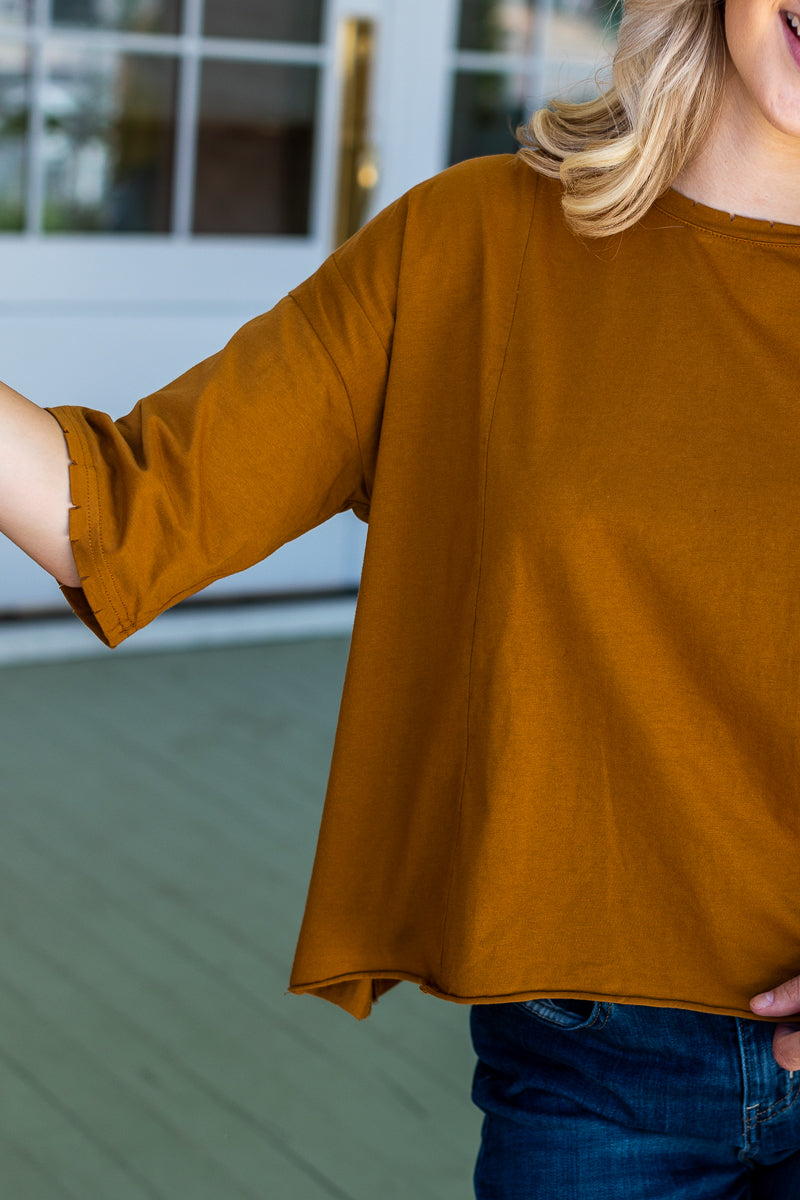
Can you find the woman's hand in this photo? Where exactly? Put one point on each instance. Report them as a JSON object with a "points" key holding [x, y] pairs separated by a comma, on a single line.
{"points": [[783, 1001]]}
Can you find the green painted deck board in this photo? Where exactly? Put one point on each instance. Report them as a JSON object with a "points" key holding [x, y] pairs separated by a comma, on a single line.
{"points": [[22, 1174], [157, 828]]}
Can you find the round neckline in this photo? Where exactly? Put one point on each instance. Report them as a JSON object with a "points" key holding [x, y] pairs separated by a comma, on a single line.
{"points": [[717, 221]]}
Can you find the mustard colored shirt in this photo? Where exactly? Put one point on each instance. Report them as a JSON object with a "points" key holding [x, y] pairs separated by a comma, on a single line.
{"points": [[567, 755]]}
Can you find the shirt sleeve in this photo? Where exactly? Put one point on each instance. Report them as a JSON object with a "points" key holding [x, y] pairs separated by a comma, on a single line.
{"points": [[254, 446]]}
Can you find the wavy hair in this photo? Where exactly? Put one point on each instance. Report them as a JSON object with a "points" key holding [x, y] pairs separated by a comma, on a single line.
{"points": [[616, 154]]}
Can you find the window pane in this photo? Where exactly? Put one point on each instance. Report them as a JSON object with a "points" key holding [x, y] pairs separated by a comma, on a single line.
{"points": [[585, 31], [502, 26], [14, 102], [575, 81], [143, 16], [273, 20], [109, 121], [507, 26], [15, 12], [487, 108], [254, 148]]}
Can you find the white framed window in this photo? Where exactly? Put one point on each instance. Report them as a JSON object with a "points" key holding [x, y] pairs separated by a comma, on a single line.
{"points": [[174, 117]]}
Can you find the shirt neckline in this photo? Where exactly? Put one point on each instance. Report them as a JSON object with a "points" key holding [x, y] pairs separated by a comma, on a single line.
{"points": [[692, 212]]}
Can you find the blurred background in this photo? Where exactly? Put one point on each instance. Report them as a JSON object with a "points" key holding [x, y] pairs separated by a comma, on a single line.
{"points": [[169, 169]]}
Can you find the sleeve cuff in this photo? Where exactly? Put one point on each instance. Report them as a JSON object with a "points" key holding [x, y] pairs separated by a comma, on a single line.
{"points": [[96, 602]]}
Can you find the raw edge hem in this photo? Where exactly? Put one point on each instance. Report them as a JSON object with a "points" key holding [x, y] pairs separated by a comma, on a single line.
{"points": [[92, 601], [359, 1003]]}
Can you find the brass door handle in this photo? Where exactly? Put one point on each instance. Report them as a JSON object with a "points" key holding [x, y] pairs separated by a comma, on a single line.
{"points": [[358, 162]]}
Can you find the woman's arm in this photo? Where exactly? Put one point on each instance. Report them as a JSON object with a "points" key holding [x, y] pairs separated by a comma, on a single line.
{"points": [[34, 485]]}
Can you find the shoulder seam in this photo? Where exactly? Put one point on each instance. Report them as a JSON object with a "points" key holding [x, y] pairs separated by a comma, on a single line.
{"points": [[358, 302], [345, 388]]}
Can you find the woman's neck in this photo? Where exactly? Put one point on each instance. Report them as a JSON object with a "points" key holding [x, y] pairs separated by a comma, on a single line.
{"points": [[746, 167]]}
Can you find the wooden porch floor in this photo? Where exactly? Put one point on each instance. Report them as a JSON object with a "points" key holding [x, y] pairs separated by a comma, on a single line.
{"points": [[157, 828]]}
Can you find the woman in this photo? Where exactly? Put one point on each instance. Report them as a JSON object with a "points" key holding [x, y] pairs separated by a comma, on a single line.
{"points": [[565, 782]]}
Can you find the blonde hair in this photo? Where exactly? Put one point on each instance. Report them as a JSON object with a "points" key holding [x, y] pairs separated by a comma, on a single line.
{"points": [[616, 154]]}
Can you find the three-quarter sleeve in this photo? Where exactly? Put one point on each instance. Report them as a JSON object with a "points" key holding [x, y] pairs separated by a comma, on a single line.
{"points": [[254, 446]]}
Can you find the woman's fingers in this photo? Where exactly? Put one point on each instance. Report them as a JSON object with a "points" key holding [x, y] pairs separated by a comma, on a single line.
{"points": [[786, 1046], [783, 1001]]}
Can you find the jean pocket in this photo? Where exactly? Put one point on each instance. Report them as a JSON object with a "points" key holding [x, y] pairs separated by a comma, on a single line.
{"points": [[566, 1013]]}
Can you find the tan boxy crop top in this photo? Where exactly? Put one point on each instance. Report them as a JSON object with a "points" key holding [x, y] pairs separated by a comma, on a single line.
{"points": [[567, 755]]}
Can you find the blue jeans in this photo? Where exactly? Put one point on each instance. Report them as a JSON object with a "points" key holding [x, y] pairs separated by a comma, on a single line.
{"points": [[601, 1101]]}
